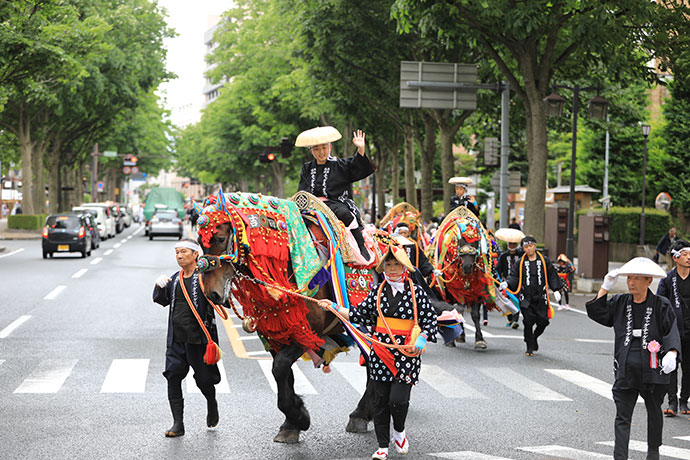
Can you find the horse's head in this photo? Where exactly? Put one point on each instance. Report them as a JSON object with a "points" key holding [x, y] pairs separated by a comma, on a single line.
{"points": [[218, 273], [467, 256]]}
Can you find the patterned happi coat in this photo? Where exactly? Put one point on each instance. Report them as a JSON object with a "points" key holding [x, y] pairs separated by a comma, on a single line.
{"points": [[398, 306]]}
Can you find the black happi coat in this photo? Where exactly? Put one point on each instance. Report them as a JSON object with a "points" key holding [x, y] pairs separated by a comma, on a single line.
{"points": [[399, 306], [334, 179], [668, 287], [659, 324], [456, 201], [419, 259], [555, 283], [166, 296], [506, 262]]}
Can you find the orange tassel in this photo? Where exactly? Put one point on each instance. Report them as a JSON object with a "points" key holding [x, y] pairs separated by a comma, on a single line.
{"points": [[213, 353]]}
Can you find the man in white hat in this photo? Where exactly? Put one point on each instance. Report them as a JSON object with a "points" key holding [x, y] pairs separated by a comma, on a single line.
{"points": [[646, 347], [676, 288], [331, 178], [461, 198]]}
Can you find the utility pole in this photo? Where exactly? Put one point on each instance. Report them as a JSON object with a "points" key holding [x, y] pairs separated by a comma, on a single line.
{"points": [[94, 172], [505, 151]]}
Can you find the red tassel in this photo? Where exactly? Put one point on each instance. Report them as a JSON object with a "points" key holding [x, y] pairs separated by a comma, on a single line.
{"points": [[213, 353]]}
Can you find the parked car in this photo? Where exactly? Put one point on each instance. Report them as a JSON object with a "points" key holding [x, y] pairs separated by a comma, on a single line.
{"points": [[109, 219], [66, 233], [126, 216], [165, 222], [100, 219], [90, 216]]}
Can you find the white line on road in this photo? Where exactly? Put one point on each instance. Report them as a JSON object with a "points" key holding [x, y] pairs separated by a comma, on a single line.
{"points": [[447, 384], [355, 375], [117, 245], [13, 252], [257, 353], [302, 385], [578, 311], [594, 341], [585, 381], [14, 325], [126, 376], [520, 384], [222, 387], [108, 252], [123, 241], [682, 438], [472, 329], [55, 292], [249, 337], [80, 273], [48, 377], [138, 230], [96, 260], [665, 451], [467, 455], [565, 452]]}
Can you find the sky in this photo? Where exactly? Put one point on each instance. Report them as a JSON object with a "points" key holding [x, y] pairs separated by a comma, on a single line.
{"points": [[185, 58]]}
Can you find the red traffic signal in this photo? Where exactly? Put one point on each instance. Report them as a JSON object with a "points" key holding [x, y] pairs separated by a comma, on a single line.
{"points": [[271, 156], [267, 156]]}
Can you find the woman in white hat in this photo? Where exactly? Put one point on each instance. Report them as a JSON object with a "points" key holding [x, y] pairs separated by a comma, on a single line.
{"points": [[461, 198], [331, 178], [398, 310], [645, 351]]}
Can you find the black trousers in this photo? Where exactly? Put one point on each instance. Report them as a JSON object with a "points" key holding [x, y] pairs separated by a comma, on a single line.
{"points": [[685, 379], [625, 400], [537, 313], [391, 399], [178, 358]]}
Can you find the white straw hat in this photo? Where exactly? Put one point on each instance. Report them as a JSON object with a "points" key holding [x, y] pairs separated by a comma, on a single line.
{"points": [[464, 181], [642, 266], [510, 235], [317, 136]]}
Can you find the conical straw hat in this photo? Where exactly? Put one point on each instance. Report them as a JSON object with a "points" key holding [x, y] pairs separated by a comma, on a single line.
{"points": [[642, 266], [510, 235], [400, 254], [316, 136]]}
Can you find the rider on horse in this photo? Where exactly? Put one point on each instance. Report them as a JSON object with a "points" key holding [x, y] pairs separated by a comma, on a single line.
{"points": [[461, 198]]}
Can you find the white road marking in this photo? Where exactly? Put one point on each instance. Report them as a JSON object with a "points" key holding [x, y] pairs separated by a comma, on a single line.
{"points": [[565, 452], [578, 311], [594, 341], [222, 387], [447, 384], [521, 384], [302, 385], [682, 438], [249, 337], [257, 353], [117, 245], [473, 329], [126, 376], [55, 292], [587, 382], [14, 325], [236, 326], [467, 455], [665, 451], [48, 377], [123, 241], [108, 252], [96, 260], [1, 361], [11, 253], [138, 230], [80, 273], [355, 375]]}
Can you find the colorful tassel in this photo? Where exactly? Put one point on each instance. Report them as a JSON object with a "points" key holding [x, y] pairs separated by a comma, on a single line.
{"points": [[213, 353]]}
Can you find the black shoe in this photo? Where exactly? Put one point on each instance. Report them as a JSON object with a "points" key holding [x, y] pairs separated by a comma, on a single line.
{"points": [[535, 345], [212, 416], [177, 409], [684, 408], [515, 325], [672, 410], [529, 351]]}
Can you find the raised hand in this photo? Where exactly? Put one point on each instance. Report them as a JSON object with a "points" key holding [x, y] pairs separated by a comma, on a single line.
{"points": [[358, 139]]}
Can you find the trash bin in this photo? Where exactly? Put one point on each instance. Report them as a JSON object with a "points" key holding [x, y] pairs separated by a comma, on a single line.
{"points": [[593, 246]]}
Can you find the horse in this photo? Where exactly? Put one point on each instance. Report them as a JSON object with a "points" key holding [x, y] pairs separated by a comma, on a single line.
{"points": [[223, 276], [461, 250]]}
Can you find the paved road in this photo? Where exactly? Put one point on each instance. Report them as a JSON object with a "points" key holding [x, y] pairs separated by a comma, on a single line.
{"points": [[81, 356]]}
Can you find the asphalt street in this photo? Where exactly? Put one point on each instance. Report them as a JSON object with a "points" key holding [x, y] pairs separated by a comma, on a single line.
{"points": [[82, 351]]}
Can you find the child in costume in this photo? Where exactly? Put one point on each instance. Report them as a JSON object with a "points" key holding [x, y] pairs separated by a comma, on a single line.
{"points": [[565, 270]]}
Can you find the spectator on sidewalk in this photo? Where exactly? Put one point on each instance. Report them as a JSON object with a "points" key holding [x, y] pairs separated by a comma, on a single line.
{"points": [[663, 247], [514, 224]]}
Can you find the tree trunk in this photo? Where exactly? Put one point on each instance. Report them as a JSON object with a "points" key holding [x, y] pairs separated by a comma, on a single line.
{"points": [[278, 170], [381, 183], [348, 146], [53, 176], [71, 198], [537, 155], [26, 150], [447, 163], [395, 175], [39, 182], [410, 183], [428, 158]]}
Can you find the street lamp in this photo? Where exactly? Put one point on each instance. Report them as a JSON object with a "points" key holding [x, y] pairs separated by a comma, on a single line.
{"points": [[645, 133], [554, 108]]}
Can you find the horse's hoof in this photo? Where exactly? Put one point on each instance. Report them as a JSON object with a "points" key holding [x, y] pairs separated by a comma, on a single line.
{"points": [[357, 425], [480, 345], [287, 436], [449, 344]]}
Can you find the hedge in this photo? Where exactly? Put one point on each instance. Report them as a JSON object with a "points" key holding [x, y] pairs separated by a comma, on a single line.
{"points": [[26, 221], [625, 224]]}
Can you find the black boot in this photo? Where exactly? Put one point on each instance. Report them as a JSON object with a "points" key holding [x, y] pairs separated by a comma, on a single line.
{"points": [[177, 408], [212, 416], [684, 407], [652, 453], [357, 233]]}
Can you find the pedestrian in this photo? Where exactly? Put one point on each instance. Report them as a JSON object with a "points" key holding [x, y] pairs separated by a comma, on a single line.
{"points": [[531, 280], [193, 218], [565, 269], [140, 213], [461, 198], [514, 224], [506, 261], [189, 335], [330, 178], [400, 313], [663, 247], [646, 347], [676, 288]]}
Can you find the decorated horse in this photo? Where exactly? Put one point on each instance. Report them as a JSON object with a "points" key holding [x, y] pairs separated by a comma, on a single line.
{"points": [[462, 250], [274, 258], [405, 213]]}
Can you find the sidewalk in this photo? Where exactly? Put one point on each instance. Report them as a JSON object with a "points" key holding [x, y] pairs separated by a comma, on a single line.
{"points": [[10, 234]]}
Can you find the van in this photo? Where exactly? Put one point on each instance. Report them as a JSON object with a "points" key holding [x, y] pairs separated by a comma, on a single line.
{"points": [[106, 218]]}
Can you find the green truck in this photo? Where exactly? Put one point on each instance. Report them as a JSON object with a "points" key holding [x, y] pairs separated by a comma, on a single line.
{"points": [[163, 197]]}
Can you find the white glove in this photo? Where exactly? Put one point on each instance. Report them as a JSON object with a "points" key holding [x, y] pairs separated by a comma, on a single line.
{"points": [[668, 363], [557, 296], [610, 280], [162, 281], [437, 272], [503, 286]]}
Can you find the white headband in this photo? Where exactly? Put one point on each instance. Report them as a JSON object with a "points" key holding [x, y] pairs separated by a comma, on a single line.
{"points": [[188, 245], [677, 253]]}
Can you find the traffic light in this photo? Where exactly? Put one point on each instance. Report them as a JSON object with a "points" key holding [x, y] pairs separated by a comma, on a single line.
{"points": [[286, 147], [267, 157]]}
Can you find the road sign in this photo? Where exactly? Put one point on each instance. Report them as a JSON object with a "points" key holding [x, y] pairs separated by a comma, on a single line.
{"points": [[435, 85], [109, 153], [100, 186], [491, 151], [135, 170], [126, 170], [513, 181]]}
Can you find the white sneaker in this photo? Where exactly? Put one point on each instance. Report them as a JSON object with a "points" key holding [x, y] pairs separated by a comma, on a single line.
{"points": [[402, 445], [381, 454], [567, 306], [560, 307]]}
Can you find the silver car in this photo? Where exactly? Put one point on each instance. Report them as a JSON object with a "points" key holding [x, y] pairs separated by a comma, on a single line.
{"points": [[166, 222]]}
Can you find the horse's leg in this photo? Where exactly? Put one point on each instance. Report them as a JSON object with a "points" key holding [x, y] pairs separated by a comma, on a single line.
{"points": [[296, 415], [475, 310], [359, 418]]}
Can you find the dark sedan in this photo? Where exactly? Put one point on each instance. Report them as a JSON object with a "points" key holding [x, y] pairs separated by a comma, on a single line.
{"points": [[66, 233]]}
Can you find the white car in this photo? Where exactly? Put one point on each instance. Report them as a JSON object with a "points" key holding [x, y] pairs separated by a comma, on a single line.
{"points": [[166, 222], [111, 230], [105, 225]]}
